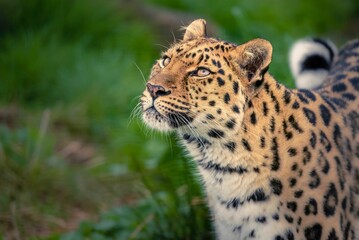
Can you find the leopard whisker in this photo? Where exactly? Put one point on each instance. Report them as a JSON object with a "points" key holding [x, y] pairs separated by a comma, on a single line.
{"points": [[161, 45], [142, 75], [136, 112], [174, 36]]}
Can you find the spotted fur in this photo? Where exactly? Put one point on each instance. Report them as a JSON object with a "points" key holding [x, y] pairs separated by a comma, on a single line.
{"points": [[276, 163]]}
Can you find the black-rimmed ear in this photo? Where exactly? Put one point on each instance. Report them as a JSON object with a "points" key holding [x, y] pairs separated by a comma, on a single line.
{"points": [[254, 58], [195, 30]]}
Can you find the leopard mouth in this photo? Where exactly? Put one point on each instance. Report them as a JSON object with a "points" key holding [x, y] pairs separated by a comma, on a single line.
{"points": [[171, 120], [153, 113]]}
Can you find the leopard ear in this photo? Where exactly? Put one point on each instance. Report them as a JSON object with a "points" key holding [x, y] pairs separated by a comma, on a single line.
{"points": [[254, 58], [195, 30]]}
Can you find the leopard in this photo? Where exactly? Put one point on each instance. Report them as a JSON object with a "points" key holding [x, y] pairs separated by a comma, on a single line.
{"points": [[275, 162]]}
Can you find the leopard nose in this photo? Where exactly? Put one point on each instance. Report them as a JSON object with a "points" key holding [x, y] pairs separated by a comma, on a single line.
{"points": [[157, 90]]}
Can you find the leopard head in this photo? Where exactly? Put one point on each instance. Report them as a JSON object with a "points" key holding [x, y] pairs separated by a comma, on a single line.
{"points": [[203, 83]]}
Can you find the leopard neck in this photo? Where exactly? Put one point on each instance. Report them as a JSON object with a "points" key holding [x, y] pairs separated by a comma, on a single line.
{"points": [[250, 150], [250, 142]]}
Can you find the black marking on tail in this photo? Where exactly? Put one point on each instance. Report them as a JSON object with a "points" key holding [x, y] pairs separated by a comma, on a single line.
{"points": [[317, 61], [326, 45], [314, 62]]}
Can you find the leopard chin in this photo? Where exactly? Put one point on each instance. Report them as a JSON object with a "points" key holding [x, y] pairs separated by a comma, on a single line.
{"points": [[153, 119]]}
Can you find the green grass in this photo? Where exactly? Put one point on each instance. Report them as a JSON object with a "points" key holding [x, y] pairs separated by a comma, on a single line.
{"points": [[71, 73], [79, 69]]}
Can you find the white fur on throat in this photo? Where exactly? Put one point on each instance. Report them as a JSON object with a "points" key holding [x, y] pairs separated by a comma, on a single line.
{"points": [[233, 186]]}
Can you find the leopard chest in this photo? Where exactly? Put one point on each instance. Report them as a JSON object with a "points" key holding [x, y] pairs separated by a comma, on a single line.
{"points": [[239, 196]]}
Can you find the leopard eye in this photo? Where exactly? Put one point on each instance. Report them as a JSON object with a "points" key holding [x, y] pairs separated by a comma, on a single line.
{"points": [[201, 72], [164, 61]]}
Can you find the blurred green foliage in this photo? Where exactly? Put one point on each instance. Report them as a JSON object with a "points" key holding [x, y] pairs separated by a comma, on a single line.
{"points": [[70, 76]]}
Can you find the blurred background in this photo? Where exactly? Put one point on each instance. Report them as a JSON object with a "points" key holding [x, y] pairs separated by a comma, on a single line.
{"points": [[75, 160]]}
